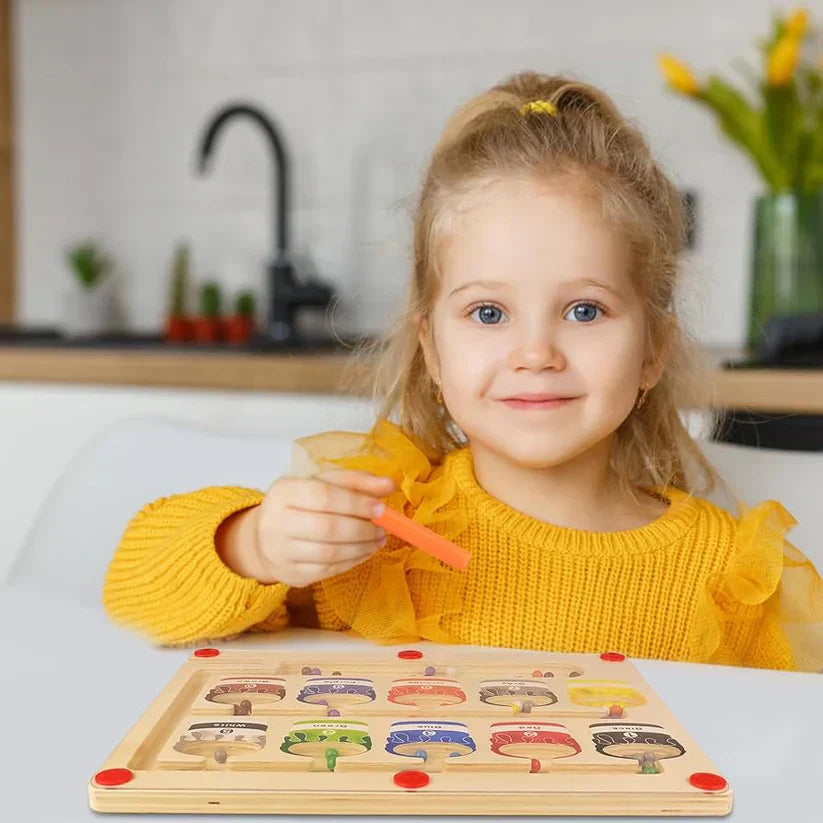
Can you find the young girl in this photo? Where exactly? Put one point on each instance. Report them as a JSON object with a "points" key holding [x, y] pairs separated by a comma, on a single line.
{"points": [[535, 378]]}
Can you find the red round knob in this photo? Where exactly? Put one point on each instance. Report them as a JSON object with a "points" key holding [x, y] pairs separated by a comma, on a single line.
{"points": [[411, 779], [114, 777], [708, 782], [206, 652]]}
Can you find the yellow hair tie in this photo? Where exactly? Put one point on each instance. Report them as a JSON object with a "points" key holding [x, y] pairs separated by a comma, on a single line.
{"points": [[539, 106]]}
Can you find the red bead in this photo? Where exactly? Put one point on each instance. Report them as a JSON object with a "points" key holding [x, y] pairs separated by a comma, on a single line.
{"points": [[534, 767], [708, 782], [411, 779], [114, 777], [206, 652], [612, 657], [409, 654]]}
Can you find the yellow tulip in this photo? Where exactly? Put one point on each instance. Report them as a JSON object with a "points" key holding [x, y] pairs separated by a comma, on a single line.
{"points": [[783, 60], [678, 74], [797, 23]]}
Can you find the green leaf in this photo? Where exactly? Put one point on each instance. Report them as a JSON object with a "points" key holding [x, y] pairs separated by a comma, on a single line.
{"points": [[745, 126], [782, 117], [210, 299], [814, 173], [805, 146], [244, 304], [815, 177], [180, 280], [778, 27], [89, 263]]}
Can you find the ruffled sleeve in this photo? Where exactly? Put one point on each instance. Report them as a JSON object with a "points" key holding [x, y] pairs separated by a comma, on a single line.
{"points": [[401, 594], [765, 608]]}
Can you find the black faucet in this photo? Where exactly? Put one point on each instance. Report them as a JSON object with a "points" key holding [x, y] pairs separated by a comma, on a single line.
{"points": [[286, 294]]}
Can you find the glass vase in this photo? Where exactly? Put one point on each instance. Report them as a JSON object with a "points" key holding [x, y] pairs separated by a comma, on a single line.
{"points": [[787, 259]]}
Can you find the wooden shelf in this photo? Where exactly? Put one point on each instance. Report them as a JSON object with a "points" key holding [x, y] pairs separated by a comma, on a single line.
{"points": [[769, 390], [298, 372]]}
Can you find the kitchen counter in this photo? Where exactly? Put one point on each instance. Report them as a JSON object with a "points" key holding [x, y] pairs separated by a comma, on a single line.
{"points": [[307, 366], [318, 367]]}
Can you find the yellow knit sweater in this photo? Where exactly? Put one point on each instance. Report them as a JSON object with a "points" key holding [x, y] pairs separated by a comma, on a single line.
{"points": [[696, 584]]}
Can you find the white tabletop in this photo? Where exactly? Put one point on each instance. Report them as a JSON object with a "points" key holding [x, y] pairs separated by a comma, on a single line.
{"points": [[763, 730]]}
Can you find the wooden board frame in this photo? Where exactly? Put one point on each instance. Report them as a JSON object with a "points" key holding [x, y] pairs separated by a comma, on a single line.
{"points": [[165, 774]]}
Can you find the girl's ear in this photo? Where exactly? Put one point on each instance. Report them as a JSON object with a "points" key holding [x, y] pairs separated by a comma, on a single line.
{"points": [[655, 359], [652, 372]]}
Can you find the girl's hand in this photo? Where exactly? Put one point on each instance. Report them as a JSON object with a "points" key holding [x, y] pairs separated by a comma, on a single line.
{"points": [[312, 528]]}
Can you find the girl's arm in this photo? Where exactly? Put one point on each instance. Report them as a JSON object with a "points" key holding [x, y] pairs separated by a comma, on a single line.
{"points": [[168, 581]]}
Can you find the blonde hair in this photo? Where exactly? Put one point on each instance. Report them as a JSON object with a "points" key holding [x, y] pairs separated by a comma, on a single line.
{"points": [[575, 129]]}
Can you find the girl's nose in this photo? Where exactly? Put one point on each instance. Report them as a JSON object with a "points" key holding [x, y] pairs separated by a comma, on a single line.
{"points": [[538, 353]]}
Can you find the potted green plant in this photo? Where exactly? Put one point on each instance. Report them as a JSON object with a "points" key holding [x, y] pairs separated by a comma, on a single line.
{"points": [[238, 327], [89, 307], [206, 326], [178, 324], [779, 124]]}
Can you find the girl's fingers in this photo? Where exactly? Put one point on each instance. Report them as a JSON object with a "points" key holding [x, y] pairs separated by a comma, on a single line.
{"points": [[314, 494], [329, 528], [330, 555]]}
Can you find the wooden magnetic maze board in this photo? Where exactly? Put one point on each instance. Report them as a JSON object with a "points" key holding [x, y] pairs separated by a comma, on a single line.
{"points": [[440, 731]]}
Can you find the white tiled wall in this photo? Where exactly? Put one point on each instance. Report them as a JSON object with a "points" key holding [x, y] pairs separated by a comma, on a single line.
{"points": [[113, 95]]}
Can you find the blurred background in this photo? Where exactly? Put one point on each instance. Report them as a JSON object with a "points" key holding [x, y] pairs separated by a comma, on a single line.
{"points": [[204, 204], [112, 99]]}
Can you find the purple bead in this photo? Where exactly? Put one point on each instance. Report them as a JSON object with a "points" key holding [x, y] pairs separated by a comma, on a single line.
{"points": [[315, 671], [333, 713], [429, 671]]}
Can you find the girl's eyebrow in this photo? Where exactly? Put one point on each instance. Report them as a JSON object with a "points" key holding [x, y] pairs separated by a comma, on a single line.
{"points": [[582, 281], [587, 281], [493, 283]]}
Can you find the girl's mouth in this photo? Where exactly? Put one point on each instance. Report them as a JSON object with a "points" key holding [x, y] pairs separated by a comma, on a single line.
{"points": [[553, 403]]}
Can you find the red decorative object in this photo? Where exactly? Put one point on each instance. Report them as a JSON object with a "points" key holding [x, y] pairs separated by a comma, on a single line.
{"points": [[410, 654], [613, 657], [177, 330], [207, 330], [114, 777], [708, 782], [238, 329], [206, 652], [411, 779]]}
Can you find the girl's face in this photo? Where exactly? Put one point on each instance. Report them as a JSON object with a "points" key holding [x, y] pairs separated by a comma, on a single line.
{"points": [[536, 300]]}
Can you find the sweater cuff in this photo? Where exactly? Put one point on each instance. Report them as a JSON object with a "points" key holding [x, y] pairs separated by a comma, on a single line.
{"points": [[167, 580]]}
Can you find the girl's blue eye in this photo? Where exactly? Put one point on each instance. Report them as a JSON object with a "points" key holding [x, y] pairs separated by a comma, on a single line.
{"points": [[585, 312], [487, 314]]}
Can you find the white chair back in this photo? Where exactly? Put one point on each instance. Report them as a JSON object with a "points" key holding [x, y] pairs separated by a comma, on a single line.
{"points": [[792, 478], [126, 466]]}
